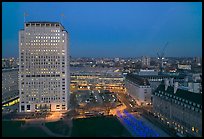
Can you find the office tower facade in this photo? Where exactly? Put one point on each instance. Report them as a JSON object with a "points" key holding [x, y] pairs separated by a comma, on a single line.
{"points": [[44, 75]]}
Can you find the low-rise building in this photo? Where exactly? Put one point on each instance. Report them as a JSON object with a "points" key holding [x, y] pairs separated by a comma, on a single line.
{"points": [[9, 84], [184, 66], [179, 109], [138, 88]]}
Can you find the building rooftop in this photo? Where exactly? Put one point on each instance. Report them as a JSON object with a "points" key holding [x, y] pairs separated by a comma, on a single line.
{"points": [[45, 22], [137, 79], [183, 94], [164, 76]]}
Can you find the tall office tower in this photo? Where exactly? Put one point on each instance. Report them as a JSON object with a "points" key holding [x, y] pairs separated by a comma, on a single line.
{"points": [[145, 61], [44, 75]]}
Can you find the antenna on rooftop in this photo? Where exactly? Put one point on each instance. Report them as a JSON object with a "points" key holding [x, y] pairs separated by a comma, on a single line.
{"points": [[25, 14], [62, 16]]}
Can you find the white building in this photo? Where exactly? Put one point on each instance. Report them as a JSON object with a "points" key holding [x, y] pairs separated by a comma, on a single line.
{"points": [[145, 61], [147, 72], [138, 88], [184, 66], [44, 76]]}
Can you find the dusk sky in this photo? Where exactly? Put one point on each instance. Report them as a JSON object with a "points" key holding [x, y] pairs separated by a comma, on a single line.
{"points": [[112, 29]]}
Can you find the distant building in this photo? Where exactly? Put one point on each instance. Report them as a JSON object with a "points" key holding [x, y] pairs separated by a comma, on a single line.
{"points": [[117, 59], [197, 61], [145, 61], [184, 66], [139, 88], [192, 83], [179, 109], [147, 72], [5, 63], [9, 84], [44, 67], [155, 80], [195, 87], [99, 78]]}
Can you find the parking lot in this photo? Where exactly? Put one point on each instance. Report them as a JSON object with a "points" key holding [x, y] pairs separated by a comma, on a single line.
{"points": [[94, 98]]}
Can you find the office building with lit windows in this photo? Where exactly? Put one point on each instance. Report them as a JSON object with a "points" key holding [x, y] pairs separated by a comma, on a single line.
{"points": [[44, 74], [9, 84], [179, 109], [138, 88]]}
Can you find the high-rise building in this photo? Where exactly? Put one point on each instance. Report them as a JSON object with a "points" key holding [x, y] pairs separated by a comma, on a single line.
{"points": [[145, 61], [44, 75]]}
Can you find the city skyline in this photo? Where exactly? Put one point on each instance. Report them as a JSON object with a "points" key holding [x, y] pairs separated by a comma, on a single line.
{"points": [[113, 29]]}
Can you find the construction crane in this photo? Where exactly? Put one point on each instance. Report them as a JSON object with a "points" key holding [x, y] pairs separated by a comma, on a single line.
{"points": [[161, 57]]}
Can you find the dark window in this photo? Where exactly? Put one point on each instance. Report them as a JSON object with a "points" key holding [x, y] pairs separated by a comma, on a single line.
{"points": [[22, 108], [28, 107]]}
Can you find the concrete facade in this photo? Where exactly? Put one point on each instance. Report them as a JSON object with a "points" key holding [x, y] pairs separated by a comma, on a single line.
{"points": [[139, 89], [44, 67]]}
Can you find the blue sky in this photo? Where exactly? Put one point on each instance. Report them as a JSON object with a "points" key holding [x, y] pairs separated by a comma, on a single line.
{"points": [[112, 29]]}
